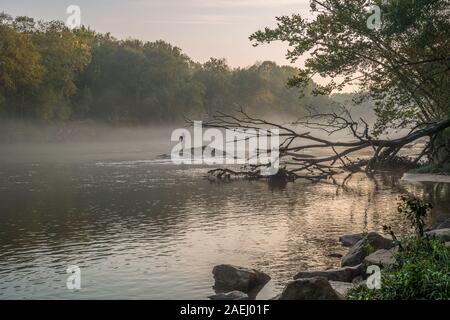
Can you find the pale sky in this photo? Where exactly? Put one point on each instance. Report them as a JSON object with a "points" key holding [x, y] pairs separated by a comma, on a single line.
{"points": [[202, 28]]}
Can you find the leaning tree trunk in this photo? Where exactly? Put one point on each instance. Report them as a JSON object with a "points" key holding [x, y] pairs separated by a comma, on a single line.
{"points": [[440, 148], [342, 156]]}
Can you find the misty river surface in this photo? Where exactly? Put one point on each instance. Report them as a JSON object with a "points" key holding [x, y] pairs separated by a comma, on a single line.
{"points": [[144, 229]]}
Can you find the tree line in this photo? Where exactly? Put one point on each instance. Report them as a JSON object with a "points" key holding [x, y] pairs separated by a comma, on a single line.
{"points": [[49, 72]]}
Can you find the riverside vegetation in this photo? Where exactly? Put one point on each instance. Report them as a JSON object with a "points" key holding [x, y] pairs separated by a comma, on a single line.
{"points": [[422, 266], [49, 72], [416, 266]]}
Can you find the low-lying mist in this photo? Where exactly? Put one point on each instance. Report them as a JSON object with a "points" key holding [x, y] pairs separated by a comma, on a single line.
{"points": [[24, 141], [37, 141]]}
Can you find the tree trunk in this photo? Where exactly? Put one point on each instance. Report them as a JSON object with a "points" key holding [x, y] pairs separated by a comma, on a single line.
{"points": [[440, 149]]}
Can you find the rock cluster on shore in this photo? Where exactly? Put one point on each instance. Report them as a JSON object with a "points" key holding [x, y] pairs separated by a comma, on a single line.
{"points": [[233, 281], [366, 249]]}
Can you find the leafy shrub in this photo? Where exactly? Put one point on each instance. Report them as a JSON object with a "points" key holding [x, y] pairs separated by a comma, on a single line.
{"points": [[415, 210], [422, 272], [422, 268]]}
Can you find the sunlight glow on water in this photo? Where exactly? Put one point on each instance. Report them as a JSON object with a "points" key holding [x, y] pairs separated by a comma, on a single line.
{"points": [[155, 231]]}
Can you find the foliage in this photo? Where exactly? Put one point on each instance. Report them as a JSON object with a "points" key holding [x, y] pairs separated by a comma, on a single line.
{"points": [[403, 65], [415, 210], [50, 72], [422, 272], [39, 62], [20, 68], [422, 265]]}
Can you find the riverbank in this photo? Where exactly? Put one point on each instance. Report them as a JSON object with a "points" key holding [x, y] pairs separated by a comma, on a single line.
{"points": [[370, 270], [425, 177]]}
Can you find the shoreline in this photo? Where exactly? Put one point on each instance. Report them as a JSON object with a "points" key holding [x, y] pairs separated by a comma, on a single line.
{"points": [[425, 177]]}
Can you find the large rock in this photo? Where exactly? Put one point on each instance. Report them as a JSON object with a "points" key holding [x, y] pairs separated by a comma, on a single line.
{"points": [[383, 258], [228, 277], [233, 295], [342, 287], [443, 234], [346, 274], [367, 245], [310, 289], [349, 240]]}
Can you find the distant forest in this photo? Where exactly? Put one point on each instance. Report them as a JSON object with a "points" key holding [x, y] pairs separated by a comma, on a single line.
{"points": [[49, 72]]}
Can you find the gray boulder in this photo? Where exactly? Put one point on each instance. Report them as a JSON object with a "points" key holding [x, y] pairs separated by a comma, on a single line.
{"points": [[342, 287], [364, 247], [443, 234], [228, 277], [346, 274], [349, 240], [383, 258], [310, 289], [233, 295]]}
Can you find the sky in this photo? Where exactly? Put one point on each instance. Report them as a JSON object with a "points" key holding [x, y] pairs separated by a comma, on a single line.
{"points": [[202, 28]]}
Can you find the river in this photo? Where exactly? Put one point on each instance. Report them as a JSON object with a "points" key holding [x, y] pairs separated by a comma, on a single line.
{"points": [[145, 229]]}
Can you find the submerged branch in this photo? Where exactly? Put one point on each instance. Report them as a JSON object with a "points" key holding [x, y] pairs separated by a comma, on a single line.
{"points": [[296, 164]]}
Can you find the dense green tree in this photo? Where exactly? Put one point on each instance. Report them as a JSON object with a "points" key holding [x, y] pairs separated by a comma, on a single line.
{"points": [[20, 68], [66, 54], [403, 63], [40, 61], [51, 73]]}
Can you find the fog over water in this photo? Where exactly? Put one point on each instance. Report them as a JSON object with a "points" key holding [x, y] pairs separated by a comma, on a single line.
{"points": [[94, 195]]}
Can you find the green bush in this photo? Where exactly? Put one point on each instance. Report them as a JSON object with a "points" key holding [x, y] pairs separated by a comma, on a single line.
{"points": [[422, 268], [422, 272]]}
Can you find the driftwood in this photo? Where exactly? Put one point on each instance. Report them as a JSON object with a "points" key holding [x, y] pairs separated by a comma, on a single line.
{"points": [[295, 163]]}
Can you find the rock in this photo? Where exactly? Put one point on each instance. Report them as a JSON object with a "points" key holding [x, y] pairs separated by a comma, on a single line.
{"points": [[342, 287], [443, 234], [349, 240], [447, 244], [383, 258], [346, 274], [358, 280], [229, 277], [310, 289], [335, 255], [367, 245], [233, 295]]}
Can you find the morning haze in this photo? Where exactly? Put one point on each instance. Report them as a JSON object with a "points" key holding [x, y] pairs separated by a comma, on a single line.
{"points": [[95, 205]]}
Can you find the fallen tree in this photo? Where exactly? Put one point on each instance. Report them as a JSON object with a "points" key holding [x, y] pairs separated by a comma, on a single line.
{"points": [[402, 63], [298, 146]]}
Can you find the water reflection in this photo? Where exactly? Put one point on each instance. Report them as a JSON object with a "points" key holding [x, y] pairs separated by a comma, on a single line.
{"points": [[144, 230]]}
